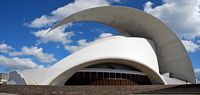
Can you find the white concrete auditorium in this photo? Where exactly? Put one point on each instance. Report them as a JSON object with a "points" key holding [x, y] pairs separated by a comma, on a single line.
{"points": [[146, 53]]}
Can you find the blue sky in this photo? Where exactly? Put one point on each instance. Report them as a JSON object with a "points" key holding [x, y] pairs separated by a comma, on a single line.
{"points": [[25, 45]]}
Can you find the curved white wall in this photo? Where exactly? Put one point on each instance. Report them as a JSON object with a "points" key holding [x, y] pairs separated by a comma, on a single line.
{"points": [[131, 51], [136, 52]]}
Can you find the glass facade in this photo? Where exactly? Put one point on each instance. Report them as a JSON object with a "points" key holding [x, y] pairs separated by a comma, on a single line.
{"points": [[106, 78], [109, 74]]}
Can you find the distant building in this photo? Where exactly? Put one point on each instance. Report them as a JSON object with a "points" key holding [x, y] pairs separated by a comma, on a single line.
{"points": [[148, 52], [4, 78]]}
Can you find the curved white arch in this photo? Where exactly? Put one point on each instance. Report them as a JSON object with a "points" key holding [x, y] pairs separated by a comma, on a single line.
{"points": [[139, 54], [170, 51], [151, 74]]}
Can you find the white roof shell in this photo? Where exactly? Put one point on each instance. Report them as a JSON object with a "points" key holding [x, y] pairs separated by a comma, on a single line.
{"points": [[131, 51], [171, 54]]}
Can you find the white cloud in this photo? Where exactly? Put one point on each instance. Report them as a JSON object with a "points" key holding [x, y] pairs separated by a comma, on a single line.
{"points": [[57, 35], [42, 22], [67, 10], [197, 70], [16, 63], [190, 46], [103, 35], [4, 48], [82, 43], [71, 48], [182, 16], [36, 52]]}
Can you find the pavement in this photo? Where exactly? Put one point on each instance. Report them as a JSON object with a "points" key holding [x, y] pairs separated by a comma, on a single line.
{"points": [[100, 90]]}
